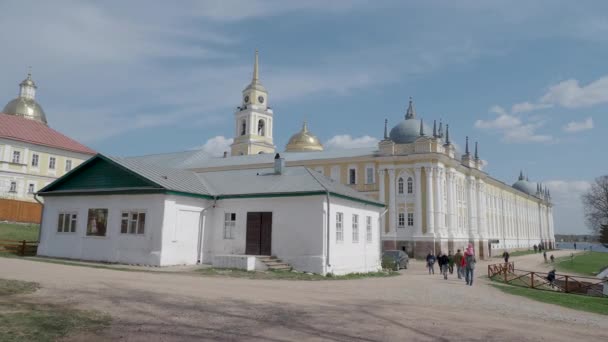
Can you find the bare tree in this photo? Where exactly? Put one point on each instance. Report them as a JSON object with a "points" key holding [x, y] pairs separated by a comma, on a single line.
{"points": [[595, 202]]}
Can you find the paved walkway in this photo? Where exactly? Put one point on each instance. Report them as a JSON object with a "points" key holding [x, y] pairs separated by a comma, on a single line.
{"points": [[412, 307]]}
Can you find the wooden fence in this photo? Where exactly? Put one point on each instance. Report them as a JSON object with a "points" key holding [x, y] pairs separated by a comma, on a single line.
{"points": [[22, 247], [20, 211], [508, 274]]}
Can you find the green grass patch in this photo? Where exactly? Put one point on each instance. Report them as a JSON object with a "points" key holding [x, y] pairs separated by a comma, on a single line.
{"points": [[288, 275], [16, 231], [589, 263], [517, 253], [11, 287], [583, 303]]}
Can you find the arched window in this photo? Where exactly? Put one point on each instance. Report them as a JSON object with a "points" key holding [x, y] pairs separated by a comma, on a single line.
{"points": [[410, 185], [261, 128], [400, 185], [243, 127]]}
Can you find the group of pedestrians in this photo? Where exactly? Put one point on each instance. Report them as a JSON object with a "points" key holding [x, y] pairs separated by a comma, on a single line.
{"points": [[465, 264]]}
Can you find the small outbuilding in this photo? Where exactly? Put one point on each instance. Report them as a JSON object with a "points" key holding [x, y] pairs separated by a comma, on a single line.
{"points": [[127, 210]]}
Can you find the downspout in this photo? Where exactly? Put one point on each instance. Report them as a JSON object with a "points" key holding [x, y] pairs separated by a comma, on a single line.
{"points": [[327, 237], [201, 238], [41, 216]]}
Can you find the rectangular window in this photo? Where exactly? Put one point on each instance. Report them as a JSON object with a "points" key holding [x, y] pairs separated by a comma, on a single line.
{"points": [[229, 224], [339, 228], [16, 157], [68, 165], [66, 222], [133, 222], [369, 175], [410, 186], [30, 188], [52, 163], [355, 228], [13, 187], [97, 222], [35, 160], [368, 229], [410, 219], [352, 176], [401, 222]]}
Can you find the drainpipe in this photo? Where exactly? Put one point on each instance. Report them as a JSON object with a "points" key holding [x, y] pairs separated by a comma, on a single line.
{"points": [[41, 216], [327, 263], [201, 229]]}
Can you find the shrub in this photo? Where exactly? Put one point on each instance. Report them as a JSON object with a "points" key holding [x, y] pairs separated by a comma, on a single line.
{"points": [[389, 263]]}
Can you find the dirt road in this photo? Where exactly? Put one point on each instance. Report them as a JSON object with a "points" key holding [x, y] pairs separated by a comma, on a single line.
{"points": [[412, 307]]}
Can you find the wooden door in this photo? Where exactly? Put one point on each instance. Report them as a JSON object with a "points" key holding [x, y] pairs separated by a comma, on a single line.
{"points": [[259, 233]]}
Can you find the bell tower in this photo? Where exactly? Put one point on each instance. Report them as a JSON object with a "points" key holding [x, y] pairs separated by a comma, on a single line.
{"points": [[253, 119]]}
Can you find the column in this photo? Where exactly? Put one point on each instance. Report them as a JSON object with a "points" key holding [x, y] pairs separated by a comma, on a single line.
{"points": [[418, 197], [430, 222], [392, 209], [481, 209], [470, 184], [381, 196], [450, 189], [437, 199]]}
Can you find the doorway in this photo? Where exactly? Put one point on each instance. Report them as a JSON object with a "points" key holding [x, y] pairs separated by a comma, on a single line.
{"points": [[259, 233]]}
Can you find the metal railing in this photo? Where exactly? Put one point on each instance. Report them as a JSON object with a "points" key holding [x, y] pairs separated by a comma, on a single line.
{"points": [[508, 274]]}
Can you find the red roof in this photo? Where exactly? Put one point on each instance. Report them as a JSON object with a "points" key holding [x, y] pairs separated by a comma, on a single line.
{"points": [[34, 132]]}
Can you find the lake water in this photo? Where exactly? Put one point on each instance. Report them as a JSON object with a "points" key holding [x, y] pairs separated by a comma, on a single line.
{"points": [[596, 247]]}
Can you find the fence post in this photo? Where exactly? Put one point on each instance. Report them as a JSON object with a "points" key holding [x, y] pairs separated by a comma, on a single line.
{"points": [[566, 286], [532, 279], [23, 248], [489, 275], [506, 279]]}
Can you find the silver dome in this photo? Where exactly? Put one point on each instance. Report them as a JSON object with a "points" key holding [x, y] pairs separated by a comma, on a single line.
{"points": [[525, 186], [27, 108], [407, 131]]}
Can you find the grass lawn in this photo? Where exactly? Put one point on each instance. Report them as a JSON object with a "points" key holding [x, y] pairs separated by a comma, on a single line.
{"points": [[21, 320], [286, 275], [589, 263], [515, 253], [14, 231], [577, 302]]}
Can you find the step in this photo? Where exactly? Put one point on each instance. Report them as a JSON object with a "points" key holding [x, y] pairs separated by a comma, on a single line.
{"points": [[275, 263], [279, 268]]}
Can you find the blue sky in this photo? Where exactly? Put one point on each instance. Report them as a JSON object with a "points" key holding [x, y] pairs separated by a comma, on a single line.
{"points": [[528, 80]]}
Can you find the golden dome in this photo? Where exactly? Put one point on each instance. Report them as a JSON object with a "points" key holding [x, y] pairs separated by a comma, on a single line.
{"points": [[303, 141]]}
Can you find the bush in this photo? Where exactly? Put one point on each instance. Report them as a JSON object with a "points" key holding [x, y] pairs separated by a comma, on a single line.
{"points": [[389, 263]]}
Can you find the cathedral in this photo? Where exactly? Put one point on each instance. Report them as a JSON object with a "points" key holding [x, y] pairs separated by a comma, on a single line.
{"points": [[436, 199]]}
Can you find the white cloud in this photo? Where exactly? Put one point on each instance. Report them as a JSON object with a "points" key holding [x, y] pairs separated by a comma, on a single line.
{"points": [[513, 129], [568, 214], [525, 107], [217, 145], [578, 126], [341, 142], [570, 94]]}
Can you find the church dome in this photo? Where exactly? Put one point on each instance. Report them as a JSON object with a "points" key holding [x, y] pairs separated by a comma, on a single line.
{"points": [[25, 104], [407, 131], [303, 141], [526, 186], [28, 108]]}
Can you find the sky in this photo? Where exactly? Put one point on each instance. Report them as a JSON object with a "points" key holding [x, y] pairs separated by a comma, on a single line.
{"points": [[528, 80]]}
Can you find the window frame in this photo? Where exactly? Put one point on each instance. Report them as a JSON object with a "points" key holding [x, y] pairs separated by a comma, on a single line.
{"points": [[401, 220], [339, 227], [67, 217], [369, 175], [352, 176], [68, 162], [410, 219], [133, 225], [16, 157], [96, 211], [410, 185], [31, 186], [355, 227], [35, 157], [400, 186], [52, 163], [12, 187], [229, 225], [368, 229]]}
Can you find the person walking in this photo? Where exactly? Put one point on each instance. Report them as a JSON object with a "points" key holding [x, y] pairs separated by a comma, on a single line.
{"points": [[430, 262], [552, 258], [536, 248], [505, 255], [545, 256], [551, 278], [443, 264], [469, 264], [575, 246], [458, 262], [450, 262]]}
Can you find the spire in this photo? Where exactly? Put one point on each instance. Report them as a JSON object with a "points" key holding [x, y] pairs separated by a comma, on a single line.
{"points": [[385, 129], [411, 112], [466, 147], [476, 154], [421, 128], [255, 67], [304, 127], [521, 175], [27, 88], [434, 128], [447, 135], [440, 129]]}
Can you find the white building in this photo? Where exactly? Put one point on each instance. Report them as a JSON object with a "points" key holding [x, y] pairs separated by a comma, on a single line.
{"points": [[131, 211]]}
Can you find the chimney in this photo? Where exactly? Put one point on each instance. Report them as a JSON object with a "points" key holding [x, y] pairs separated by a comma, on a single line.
{"points": [[279, 164], [225, 154]]}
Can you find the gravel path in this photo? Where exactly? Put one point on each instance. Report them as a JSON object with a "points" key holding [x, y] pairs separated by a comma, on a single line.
{"points": [[414, 307]]}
